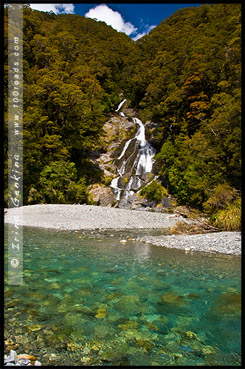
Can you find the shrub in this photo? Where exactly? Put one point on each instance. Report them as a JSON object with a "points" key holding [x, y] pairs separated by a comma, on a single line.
{"points": [[222, 196], [154, 192], [34, 197], [58, 184], [229, 219], [107, 180]]}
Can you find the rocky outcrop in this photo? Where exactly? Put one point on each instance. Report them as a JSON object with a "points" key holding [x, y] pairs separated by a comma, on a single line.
{"points": [[102, 195], [120, 134], [117, 130]]}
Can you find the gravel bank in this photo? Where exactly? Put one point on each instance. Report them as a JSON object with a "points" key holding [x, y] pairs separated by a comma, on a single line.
{"points": [[77, 217], [221, 242]]}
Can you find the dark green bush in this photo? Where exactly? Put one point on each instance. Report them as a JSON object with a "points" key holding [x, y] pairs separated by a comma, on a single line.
{"points": [[154, 192]]}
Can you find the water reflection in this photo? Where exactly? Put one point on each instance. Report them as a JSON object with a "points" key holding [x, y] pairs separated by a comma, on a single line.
{"points": [[142, 253]]}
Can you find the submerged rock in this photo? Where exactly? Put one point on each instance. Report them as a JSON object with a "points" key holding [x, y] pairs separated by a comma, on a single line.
{"points": [[12, 303], [229, 303], [20, 360], [101, 313], [10, 345], [171, 298], [34, 327], [190, 334]]}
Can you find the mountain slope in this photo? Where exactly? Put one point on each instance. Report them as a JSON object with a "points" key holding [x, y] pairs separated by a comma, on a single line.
{"points": [[73, 68], [188, 80], [184, 77]]}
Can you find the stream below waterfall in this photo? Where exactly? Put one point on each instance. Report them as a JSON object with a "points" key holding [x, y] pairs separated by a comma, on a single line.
{"points": [[90, 300], [133, 164]]}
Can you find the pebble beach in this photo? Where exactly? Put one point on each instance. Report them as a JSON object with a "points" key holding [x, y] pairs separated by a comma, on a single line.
{"points": [[217, 242], [89, 217]]}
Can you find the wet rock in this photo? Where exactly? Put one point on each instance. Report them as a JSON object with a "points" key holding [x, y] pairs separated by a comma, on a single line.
{"points": [[12, 303], [171, 298], [228, 303], [145, 344], [129, 325], [86, 360], [24, 362], [101, 313], [27, 347], [34, 327], [10, 345], [193, 296], [20, 360], [11, 358], [73, 346], [190, 334], [53, 358]]}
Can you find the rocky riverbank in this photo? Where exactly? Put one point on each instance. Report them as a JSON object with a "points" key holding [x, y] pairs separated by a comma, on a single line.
{"points": [[220, 242], [76, 217], [87, 217]]}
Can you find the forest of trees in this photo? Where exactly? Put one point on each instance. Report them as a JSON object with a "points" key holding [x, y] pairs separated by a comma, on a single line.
{"points": [[185, 75], [188, 80]]}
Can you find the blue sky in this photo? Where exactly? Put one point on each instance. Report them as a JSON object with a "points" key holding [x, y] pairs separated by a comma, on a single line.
{"points": [[135, 20]]}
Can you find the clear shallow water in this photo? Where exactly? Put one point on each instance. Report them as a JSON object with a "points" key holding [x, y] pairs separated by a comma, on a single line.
{"points": [[92, 300]]}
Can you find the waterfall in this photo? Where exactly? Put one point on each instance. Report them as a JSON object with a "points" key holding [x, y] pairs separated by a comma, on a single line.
{"points": [[136, 159], [120, 105]]}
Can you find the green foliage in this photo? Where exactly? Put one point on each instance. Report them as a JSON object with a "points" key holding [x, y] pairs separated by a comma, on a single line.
{"points": [[222, 196], [224, 207], [58, 184], [187, 166], [154, 192], [185, 76], [229, 219], [74, 71], [189, 73], [107, 180]]}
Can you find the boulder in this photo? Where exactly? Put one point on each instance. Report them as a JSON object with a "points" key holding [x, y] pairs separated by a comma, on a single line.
{"points": [[103, 196]]}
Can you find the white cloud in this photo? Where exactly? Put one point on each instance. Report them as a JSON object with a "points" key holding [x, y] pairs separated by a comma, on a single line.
{"points": [[112, 18], [56, 8], [150, 28], [139, 35]]}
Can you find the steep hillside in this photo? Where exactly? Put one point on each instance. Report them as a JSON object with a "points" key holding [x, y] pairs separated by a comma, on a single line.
{"points": [[74, 70], [183, 79], [188, 80]]}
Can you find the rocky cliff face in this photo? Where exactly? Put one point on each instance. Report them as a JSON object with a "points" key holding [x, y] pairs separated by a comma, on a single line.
{"points": [[117, 130], [124, 162]]}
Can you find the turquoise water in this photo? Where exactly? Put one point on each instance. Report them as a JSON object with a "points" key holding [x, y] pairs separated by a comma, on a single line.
{"points": [[92, 300]]}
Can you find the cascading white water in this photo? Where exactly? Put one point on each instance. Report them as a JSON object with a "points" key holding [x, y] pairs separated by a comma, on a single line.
{"points": [[120, 105], [117, 190], [140, 135], [138, 166], [146, 152], [125, 148]]}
